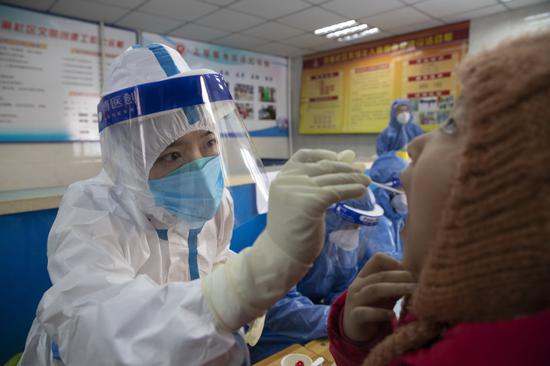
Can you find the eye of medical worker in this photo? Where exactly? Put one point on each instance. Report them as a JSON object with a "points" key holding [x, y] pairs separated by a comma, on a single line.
{"points": [[192, 146], [450, 127]]}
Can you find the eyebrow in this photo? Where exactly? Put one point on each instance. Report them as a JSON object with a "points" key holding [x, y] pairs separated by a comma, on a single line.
{"points": [[179, 142]]}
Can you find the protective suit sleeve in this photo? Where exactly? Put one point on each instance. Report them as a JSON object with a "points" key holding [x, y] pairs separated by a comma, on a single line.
{"points": [[226, 220], [297, 317], [417, 130], [225, 232], [99, 311], [381, 143], [251, 282]]}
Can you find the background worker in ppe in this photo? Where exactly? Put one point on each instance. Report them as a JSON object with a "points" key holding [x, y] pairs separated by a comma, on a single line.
{"points": [[386, 236], [302, 315], [139, 255], [401, 129]]}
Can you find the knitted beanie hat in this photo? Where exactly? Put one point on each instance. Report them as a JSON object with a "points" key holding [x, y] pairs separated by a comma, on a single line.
{"points": [[491, 257]]}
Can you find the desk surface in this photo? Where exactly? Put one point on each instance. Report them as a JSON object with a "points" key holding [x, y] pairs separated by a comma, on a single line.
{"points": [[314, 349], [320, 347], [275, 360]]}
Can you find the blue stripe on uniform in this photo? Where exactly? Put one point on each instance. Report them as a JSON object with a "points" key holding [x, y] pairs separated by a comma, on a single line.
{"points": [[164, 59], [55, 352], [162, 234], [193, 253]]}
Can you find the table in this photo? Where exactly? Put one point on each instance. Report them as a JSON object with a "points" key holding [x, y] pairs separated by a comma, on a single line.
{"points": [[320, 347], [314, 349]]}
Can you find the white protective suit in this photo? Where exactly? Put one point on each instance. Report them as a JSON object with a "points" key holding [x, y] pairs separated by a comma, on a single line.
{"points": [[120, 266]]}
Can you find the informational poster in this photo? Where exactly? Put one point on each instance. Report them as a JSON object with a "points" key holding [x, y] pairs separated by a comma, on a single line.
{"points": [[351, 90], [50, 75], [257, 82]]}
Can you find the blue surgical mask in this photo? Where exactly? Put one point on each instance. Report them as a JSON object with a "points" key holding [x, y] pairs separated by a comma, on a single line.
{"points": [[192, 192]]}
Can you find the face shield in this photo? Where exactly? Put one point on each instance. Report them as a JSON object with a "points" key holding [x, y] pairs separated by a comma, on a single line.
{"points": [[344, 220], [350, 214], [176, 143]]}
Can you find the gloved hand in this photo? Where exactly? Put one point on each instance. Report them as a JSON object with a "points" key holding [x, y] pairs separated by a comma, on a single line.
{"points": [[314, 162], [250, 282]]}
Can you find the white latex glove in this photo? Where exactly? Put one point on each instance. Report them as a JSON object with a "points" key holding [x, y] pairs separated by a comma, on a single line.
{"points": [[250, 282]]}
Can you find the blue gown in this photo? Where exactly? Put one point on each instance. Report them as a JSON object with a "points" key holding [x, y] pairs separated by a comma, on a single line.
{"points": [[385, 237], [396, 136]]}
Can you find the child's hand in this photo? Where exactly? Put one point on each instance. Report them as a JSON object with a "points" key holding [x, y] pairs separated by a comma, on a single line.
{"points": [[372, 296]]}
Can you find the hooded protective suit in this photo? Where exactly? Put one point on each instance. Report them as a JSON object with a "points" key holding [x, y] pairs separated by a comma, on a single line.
{"points": [[385, 237], [133, 283], [396, 136]]}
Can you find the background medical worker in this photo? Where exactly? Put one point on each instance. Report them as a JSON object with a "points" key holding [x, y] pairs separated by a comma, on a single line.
{"points": [[302, 315], [138, 256], [401, 129], [386, 236]]}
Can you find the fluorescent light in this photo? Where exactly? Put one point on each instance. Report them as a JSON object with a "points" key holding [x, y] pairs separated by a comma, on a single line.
{"points": [[537, 16], [365, 33], [347, 31], [335, 27], [505, 1]]}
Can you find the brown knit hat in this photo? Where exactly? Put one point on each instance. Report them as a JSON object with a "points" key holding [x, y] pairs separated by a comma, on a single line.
{"points": [[491, 257]]}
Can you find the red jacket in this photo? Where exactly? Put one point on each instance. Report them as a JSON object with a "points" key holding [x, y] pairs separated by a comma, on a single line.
{"points": [[522, 341]]}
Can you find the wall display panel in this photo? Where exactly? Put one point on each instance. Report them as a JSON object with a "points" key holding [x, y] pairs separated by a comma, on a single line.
{"points": [[350, 90], [258, 83], [50, 75]]}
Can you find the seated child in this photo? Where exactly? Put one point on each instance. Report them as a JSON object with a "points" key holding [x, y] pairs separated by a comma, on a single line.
{"points": [[476, 262]]}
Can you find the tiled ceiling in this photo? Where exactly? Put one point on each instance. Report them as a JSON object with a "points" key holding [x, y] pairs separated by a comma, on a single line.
{"points": [[279, 27]]}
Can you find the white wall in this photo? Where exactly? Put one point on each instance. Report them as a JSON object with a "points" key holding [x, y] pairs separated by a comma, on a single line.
{"points": [[485, 32], [41, 165]]}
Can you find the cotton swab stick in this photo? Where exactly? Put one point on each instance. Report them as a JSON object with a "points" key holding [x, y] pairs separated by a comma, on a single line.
{"points": [[318, 362], [383, 186]]}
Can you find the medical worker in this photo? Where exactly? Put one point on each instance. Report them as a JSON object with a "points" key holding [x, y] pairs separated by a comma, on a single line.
{"points": [[138, 256], [302, 314], [401, 129], [386, 236]]}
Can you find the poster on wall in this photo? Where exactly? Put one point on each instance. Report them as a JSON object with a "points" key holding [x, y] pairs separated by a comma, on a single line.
{"points": [[351, 90], [257, 82], [50, 75]]}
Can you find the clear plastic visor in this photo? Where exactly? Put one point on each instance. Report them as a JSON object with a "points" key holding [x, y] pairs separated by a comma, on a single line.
{"points": [[161, 139]]}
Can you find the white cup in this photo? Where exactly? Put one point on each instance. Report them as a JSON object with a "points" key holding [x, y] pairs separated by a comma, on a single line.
{"points": [[294, 358]]}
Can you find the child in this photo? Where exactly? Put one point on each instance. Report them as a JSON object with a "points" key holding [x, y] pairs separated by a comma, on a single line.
{"points": [[477, 239]]}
